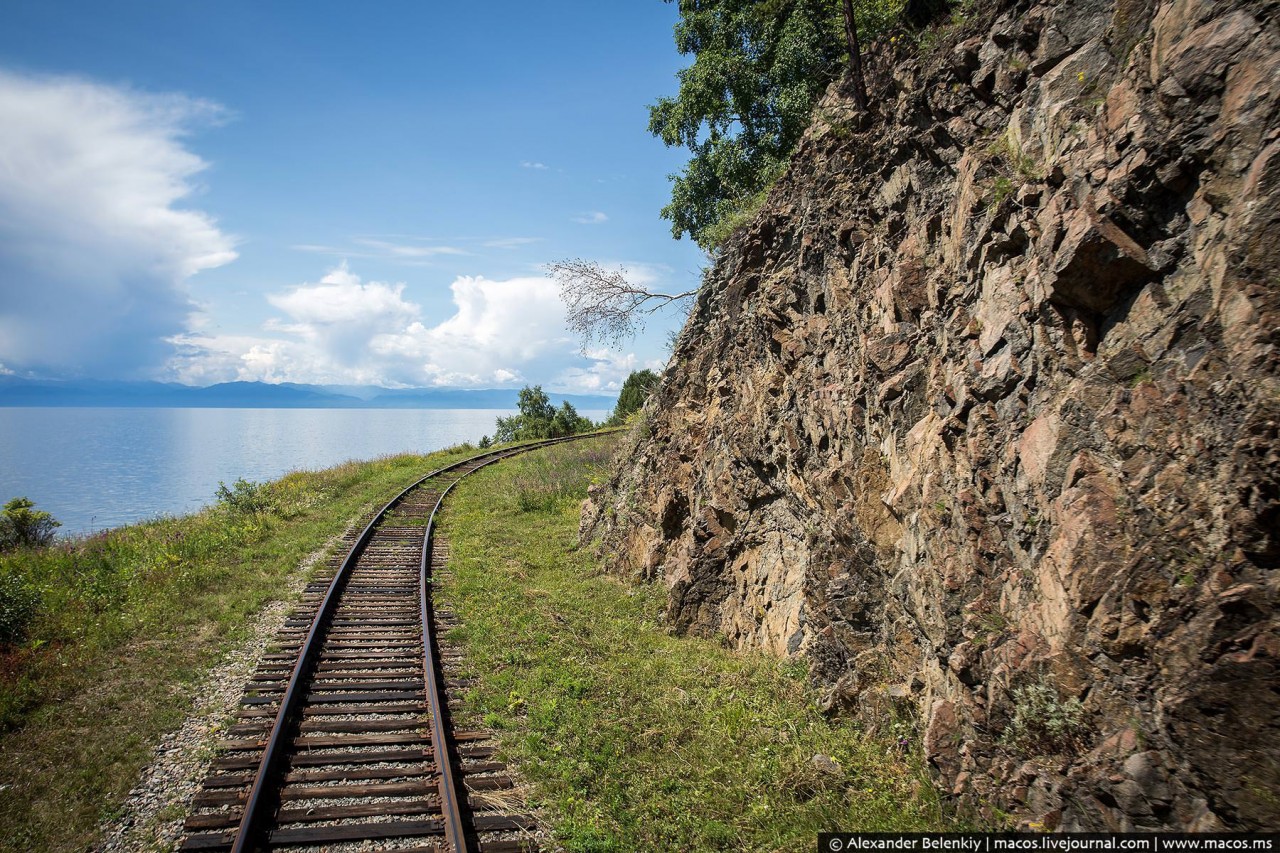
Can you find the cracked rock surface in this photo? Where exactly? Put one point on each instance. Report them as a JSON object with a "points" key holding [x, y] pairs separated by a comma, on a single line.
{"points": [[981, 414]]}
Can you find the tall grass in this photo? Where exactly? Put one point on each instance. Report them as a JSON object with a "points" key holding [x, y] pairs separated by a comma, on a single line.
{"points": [[543, 481], [631, 738]]}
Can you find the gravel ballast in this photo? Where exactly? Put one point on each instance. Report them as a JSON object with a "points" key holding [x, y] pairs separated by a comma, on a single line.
{"points": [[154, 810]]}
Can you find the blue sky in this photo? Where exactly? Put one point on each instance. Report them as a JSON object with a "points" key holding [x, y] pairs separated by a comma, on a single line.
{"points": [[328, 192]]}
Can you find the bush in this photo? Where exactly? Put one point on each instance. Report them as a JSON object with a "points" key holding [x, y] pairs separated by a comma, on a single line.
{"points": [[21, 526], [244, 497], [19, 604], [1042, 720], [543, 481]]}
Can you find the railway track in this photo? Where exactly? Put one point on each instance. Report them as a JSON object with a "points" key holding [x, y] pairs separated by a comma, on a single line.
{"points": [[343, 739]]}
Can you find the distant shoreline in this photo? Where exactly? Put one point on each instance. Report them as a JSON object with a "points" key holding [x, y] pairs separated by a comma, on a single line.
{"points": [[125, 404], [89, 393]]}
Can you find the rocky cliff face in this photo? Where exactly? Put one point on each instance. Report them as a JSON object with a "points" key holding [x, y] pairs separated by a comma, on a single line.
{"points": [[982, 414]]}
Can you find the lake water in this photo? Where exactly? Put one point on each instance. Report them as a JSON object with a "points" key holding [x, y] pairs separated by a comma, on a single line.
{"points": [[95, 468]]}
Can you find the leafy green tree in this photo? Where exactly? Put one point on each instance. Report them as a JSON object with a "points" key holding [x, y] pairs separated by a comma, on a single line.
{"points": [[567, 421], [635, 390], [21, 525], [759, 67], [539, 419]]}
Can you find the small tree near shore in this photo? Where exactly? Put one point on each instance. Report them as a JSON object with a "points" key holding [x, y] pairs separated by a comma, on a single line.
{"points": [[539, 419], [21, 525]]}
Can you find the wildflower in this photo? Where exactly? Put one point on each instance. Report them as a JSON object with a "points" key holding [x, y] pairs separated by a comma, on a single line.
{"points": [[1080, 76]]}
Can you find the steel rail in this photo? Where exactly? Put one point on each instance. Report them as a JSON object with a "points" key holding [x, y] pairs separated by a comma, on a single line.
{"points": [[263, 776], [451, 797]]}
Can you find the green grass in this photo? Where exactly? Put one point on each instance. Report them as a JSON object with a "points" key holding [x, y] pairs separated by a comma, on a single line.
{"points": [[630, 738], [116, 629]]}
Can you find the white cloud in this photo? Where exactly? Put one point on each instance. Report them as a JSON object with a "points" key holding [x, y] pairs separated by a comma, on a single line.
{"points": [[649, 276], [340, 316], [511, 242], [593, 217], [604, 372], [507, 325], [529, 164], [413, 254], [341, 330], [94, 252], [397, 250]]}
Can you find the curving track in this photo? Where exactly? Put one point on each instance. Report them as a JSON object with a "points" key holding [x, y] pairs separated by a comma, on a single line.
{"points": [[343, 738]]}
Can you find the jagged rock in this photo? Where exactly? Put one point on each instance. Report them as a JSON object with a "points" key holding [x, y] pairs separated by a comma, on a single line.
{"points": [[986, 404]]}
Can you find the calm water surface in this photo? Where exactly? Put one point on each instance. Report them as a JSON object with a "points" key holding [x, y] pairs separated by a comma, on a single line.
{"points": [[95, 468]]}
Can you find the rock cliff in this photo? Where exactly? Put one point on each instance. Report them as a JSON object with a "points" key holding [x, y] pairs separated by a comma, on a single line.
{"points": [[982, 414]]}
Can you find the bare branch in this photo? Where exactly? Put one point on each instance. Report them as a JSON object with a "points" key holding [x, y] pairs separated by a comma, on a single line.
{"points": [[603, 304]]}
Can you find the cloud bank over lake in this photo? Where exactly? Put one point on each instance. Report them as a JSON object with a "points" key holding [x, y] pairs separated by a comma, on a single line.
{"points": [[95, 249]]}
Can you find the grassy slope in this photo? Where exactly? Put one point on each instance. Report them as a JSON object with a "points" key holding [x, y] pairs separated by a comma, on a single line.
{"points": [[633, 739], [129, 621]]}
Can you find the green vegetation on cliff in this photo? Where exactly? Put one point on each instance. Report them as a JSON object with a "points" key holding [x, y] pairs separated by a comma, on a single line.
{"points": [[635, 390], [759, 66]]}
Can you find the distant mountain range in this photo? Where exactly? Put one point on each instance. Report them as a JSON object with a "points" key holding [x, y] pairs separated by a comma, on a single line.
{"points": [[261, 395]]}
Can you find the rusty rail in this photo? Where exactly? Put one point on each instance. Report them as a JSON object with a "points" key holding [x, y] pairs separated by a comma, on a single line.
{"points": [[263, 796]]}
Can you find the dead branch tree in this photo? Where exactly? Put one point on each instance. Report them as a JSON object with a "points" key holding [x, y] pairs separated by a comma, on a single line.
{"points": [[603, 304]]}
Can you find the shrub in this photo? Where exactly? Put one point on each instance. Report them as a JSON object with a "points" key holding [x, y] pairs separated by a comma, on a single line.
{"points": [[244, 497], [1042, 719], [22, 526], [541, 482], [19, 604]]}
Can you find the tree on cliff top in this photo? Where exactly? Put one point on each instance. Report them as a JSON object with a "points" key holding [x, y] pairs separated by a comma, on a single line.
{"points": [[759, 67]]}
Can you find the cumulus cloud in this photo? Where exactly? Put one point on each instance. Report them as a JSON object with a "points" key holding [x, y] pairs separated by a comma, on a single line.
{"points": [[339, 316], [94, 251], [530, 164], [603, 373], [594, 217], [497, 325], [341, 330]]}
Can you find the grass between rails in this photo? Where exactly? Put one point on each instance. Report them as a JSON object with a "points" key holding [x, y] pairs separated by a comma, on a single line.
{"points": [[630, 738], [126, 622]]}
